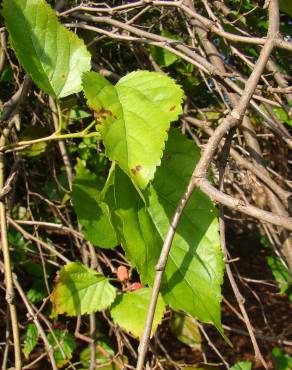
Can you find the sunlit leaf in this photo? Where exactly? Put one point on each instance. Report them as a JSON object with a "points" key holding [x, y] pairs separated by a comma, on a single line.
{"points": [[162, 56], [283, 116], [54, 56], [133, 117], [130, 310], [194, 271], [281, 274], [81, 290], [242, 365]]}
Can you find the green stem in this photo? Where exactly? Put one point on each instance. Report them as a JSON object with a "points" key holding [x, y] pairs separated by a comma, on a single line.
{"points": [[54, 136], [89, 126], [60, 118], [108, 181]]}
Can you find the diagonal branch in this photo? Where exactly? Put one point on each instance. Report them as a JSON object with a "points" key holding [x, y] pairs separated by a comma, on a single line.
{"points": [[200, 173]]}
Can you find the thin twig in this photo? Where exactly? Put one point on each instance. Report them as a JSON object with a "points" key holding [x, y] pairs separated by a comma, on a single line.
{"points": [[41, 243]]}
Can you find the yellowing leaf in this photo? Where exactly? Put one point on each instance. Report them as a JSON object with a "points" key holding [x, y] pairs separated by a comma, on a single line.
{"points": [[81, 290]]}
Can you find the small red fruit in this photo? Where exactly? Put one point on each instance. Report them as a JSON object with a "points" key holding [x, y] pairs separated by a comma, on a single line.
{"points": [[135, 286], [122, 273]]}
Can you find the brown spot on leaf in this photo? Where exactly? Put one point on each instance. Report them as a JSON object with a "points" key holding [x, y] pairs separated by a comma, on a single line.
{"points": [[172, 108], [102, 113], [63, 77], [136, 169], [97, 118]]}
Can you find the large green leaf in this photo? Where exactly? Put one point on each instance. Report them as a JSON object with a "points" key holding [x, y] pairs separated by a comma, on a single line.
{"points": [[81, 290], [195, 265], [194, 270], [134, 226], [54, 56], [130, 310], [134, 116], [93, 215]]}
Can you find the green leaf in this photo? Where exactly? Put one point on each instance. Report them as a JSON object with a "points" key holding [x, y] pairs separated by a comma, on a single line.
{"points": [[104, 360], [282, 361], [31, 133], [37, 292], [130, 310], [93, 215], [195, 266], [55, 188], [280, 273], [36, 269], [81, 290], [164, 57], [186, 329], [283, 115], [194, 271], [30, 339], [242, 365], [54, 56], [68, 344], [133, 225], [134, 117]]}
